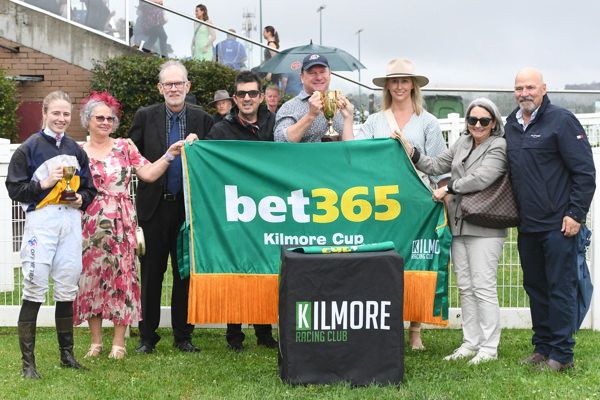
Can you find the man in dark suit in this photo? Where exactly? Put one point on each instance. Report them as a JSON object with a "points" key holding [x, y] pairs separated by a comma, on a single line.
{"points": [[160, 205]]}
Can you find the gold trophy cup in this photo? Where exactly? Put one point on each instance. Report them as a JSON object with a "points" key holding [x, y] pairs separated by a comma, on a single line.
{"points": [[68, 194], [329, 99]]}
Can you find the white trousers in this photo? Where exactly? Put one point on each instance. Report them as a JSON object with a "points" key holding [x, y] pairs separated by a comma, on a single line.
{"points": [[51, 247], [475, 260]]}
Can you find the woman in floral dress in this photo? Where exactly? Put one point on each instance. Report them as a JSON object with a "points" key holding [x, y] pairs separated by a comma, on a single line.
{"points": [[109, 287]]}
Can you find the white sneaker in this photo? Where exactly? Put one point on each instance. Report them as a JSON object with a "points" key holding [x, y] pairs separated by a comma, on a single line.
{"points": [[461, 352], [481, 357]]}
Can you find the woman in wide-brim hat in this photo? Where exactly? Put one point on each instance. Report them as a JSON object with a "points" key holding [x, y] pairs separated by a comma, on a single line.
{"points": [[403, 112]]}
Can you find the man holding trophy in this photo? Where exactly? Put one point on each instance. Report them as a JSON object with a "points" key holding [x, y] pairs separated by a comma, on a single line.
{"points": [[312, 115]]}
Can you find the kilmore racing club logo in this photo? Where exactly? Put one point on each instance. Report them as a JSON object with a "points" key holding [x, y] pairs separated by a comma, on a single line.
{"points": [[425, 249], [335, 321]]}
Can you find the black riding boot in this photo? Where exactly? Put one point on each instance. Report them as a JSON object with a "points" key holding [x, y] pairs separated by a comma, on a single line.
{"points": [[26, 328], [27, 344], [64, 330]]}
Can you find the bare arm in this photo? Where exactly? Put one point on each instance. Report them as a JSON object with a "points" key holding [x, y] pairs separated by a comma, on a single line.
{"points": [[347, 111], [213, 36]]}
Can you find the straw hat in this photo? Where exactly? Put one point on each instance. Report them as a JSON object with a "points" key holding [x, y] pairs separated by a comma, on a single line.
{"points": [[220, 95], [400, 67]]}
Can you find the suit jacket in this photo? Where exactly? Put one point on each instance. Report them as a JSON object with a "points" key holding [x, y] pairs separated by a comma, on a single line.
{"points": [[148, 132]]}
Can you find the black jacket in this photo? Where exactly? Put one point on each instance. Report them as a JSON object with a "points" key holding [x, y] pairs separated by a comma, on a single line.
{"points": [[149, 133], [230, 128]]}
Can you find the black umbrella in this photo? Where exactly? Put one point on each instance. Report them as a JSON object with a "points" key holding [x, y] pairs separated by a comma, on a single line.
{"points": [[290, 60]]}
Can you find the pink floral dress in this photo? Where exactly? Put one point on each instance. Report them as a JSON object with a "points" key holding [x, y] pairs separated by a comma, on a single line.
{"points": [[109, 287]]}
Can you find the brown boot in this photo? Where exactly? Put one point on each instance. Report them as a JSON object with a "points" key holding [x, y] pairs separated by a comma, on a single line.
{"points": [[64, 330], [27, 343]]}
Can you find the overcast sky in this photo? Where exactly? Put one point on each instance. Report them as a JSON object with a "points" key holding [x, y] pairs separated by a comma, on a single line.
{"points": [[454, 43]]}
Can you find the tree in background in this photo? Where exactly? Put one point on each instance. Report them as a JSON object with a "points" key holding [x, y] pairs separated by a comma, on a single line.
{"points": [[133, 79], [8, 108]]}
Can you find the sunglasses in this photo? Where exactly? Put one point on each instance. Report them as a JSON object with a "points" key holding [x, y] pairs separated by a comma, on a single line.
{"points": [[242, 93], [483, 121], [101, 118]]}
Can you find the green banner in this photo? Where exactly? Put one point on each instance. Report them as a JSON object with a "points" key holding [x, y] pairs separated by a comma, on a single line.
{"points": [[245, 200]]}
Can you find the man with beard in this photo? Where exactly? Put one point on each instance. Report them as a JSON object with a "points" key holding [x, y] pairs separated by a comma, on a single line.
{"points": [[553, 177], [248, 119], [160, 206]]}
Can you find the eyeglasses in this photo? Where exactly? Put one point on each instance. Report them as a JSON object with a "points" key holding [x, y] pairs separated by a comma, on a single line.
{"points": [[170, 85], [101, 118], [483, 121], [242, 93]]}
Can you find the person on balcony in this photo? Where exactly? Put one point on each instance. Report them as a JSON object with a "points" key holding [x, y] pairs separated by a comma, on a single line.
{"points": [[204, 36], [52, 233], [231, 53]]}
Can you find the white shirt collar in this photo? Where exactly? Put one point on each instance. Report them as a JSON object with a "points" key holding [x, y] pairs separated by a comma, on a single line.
{"points": [[52, 134]]}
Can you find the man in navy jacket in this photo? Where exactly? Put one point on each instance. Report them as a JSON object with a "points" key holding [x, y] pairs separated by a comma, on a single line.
{"points": [[553, 177]]}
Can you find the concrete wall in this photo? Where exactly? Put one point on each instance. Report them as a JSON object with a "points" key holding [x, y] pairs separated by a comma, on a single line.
{"points": [[58, 50]]}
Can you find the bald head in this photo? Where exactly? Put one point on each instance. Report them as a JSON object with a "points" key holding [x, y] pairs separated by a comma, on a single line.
{"points": [[529, 90]]}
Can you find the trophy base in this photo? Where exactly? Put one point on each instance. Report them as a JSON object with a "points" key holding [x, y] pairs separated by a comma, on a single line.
{"points": [[68, 196], [331, 138]]}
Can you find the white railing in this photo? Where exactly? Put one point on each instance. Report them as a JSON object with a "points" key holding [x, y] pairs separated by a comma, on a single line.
{"points": [[514, 311]]}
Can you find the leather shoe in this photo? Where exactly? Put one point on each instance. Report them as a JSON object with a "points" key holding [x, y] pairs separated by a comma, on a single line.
{"points": [[268, 342], [553, 365], [534, 359], [144, 347], [186, 346]]}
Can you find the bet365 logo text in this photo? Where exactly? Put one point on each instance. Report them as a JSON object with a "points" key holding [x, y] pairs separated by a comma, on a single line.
{"points": [[330, 321], [352, 206]]}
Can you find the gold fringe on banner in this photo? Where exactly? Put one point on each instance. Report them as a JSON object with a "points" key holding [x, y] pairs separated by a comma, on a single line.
{"points": [[419, 295], [233, 298]]}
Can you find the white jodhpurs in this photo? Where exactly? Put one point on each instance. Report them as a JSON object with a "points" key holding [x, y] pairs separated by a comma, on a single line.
{"points": [[51, 247]]}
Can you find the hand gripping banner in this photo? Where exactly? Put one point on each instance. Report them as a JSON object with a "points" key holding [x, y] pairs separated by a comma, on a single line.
{"points": [[244, 200]]}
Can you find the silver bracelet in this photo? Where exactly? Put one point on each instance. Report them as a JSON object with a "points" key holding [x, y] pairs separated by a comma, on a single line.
{"points": [[168, 158]]}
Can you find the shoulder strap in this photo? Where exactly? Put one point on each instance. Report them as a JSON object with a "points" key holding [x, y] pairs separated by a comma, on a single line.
{"points": [[391, 120]]}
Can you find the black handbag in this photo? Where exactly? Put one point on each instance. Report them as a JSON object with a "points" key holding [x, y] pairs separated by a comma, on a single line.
{"points": [[492, 207]]}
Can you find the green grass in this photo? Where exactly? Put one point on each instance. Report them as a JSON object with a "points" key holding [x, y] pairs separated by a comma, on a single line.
{"points": [[217, 373]]}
